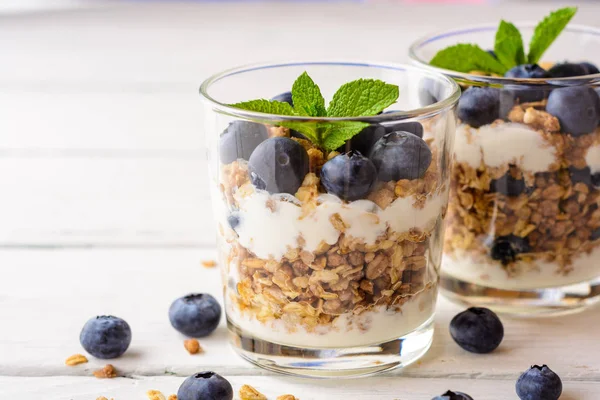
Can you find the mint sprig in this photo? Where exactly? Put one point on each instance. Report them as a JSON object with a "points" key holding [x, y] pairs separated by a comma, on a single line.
{"points": [[359, 98], [508, 47]]}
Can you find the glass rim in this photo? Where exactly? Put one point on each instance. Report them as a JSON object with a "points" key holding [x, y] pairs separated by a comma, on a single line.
{"points": [[422, 112], [465, 76]]}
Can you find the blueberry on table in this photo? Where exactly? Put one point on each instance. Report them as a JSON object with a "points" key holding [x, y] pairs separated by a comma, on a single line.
{"points": [[506, 248], [565, 70], [284, 98], [539, 383], [450, 395], [479, 106], [195, 315], [577, 109], [364, 140], [278, 165], [240, 139], [507, 185], [105, 336], [349, 176], [590, 68], [205, 386], [478, 330], [413, 127], [400, 155], [528, 71]]}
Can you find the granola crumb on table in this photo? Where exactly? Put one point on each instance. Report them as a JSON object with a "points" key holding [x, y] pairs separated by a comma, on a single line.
{"points": [[209, 263], [155, 395], [247, 392], [108, 372], [287, 397], [192, 346], [76, 359]]}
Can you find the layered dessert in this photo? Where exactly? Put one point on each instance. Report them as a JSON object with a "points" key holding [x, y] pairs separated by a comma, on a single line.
{"points": [[330, 247]]}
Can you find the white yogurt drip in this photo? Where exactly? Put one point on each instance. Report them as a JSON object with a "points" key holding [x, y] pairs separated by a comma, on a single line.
{"points": [[592, 158], [269, 234], [503, 143]]}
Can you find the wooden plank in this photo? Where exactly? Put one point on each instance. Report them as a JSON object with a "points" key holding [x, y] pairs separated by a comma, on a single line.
{"points": [[52, 293], [108, 201], [79, 388]]}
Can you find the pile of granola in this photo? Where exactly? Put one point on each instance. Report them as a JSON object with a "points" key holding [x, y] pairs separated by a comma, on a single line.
{"points": [[556, 215]]}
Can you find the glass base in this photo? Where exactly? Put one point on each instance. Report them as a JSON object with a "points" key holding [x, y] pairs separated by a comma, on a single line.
{"points": [[331, 362], [540, 302]]}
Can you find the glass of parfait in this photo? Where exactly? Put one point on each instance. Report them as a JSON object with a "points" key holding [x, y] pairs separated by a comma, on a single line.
{"points": [[523, 220], [330, 218]]}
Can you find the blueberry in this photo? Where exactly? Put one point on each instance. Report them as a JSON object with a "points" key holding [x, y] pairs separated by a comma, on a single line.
{"points": [[565, 70], [449, 395], [240, 139], [479, 106], [583, 175], [506, 248], [195, 315], [508, 185], [529, 71], [284, 98], [400, 155], [539, 383], [233, 220], [478, 330], [577, 109], [205, 386], [595, 179], [105, 336], [591, 68], [413, 127], [349, 176], [278, 165], [365, 139]]}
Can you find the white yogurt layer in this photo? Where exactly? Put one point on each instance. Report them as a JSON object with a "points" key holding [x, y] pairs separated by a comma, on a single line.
{"points": [[270, 233], [499, 144], [592, 158], [532, 275], [381, 325]]}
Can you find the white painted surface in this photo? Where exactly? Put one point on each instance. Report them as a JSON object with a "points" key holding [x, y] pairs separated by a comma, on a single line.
{"points": [[101, 148]]}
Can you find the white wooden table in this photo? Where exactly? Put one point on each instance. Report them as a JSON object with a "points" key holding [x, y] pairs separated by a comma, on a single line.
{"points": [[104, 207]]}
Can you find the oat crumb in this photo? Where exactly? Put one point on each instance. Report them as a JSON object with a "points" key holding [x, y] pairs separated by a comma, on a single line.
{"points": [[102, 398], [209, 263], [247, 392], [172, 397], [108, 372], [155, 395], [287, 397], [76, 359], [192, 346]]}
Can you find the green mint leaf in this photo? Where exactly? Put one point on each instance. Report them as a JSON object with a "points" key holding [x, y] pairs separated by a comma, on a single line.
{"points": [[509, 45], [547, 31], [361, 98], [335, 134], [307, 97], [467, 58], [308, 129], [266, 106]]}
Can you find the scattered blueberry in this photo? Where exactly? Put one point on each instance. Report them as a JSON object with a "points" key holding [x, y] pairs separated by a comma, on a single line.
{"points": [[349, 176], [284, 98], [240, 139], [195, 315], [576, 107], [413, 127], [591, 68], [529, 71], [364, 140], [105, 336], [233, 220], [479, 106], [506, 248], [478, 330], [450, 395], [565, 70], [583, 175], [539, 383], [508, 185], [278, 165], [205, 386], [400, 155]]}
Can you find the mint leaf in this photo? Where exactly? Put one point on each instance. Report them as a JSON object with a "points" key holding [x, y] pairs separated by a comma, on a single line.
{"points": [[467, 58], [361, 98], [335, 134], [547, 31], [509, 45], [266, 106], [308, 129], [307, 97]]}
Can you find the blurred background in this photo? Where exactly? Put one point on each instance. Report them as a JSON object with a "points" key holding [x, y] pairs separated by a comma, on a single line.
{"points": [[101, 141]]}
